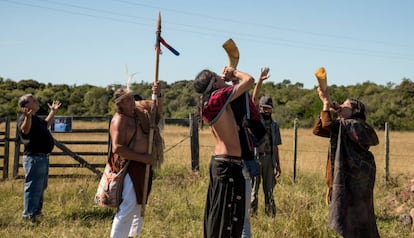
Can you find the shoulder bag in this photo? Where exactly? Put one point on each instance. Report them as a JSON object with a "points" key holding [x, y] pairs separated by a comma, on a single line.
{"points": [[109, 192]]}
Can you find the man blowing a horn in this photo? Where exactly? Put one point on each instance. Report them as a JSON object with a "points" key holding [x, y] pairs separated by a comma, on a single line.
{"points": [[225, 205]]}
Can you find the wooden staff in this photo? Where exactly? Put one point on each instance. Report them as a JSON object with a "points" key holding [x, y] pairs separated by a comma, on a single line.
{"points": [[152, 114]]}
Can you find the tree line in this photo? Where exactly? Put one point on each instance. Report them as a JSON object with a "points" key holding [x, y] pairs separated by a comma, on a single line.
{"points": [[385, 103]]}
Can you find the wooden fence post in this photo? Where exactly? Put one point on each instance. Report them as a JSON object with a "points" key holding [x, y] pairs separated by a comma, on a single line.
{"points": [[16, 154], [4, 142], [195, 147], [6, 149], [295, 146], [387, 153]]}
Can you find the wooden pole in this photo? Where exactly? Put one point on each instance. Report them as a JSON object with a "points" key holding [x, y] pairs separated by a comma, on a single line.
{"points": [[153, 114], [387, 153], [16, 155], [295, 147], [6, 149], [195, 147]]}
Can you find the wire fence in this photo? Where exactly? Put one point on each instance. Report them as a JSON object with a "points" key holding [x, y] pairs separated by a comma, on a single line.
{"points": [[300, 152]]}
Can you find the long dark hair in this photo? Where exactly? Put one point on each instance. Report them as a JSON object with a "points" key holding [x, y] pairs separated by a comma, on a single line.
{"points": [[358, 109], [203, 85]]}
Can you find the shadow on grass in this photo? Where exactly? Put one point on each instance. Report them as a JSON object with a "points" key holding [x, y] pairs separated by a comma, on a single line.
{"points": [[90, 214]]}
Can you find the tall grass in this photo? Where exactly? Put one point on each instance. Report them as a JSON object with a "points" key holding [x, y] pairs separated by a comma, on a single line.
{"points": [[177, 200]]}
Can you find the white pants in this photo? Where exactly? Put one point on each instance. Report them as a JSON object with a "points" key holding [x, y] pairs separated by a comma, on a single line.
{"points": [[127, 221]]}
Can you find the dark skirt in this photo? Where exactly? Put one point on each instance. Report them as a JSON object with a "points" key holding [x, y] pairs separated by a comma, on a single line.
{"points": [[225, 205]]}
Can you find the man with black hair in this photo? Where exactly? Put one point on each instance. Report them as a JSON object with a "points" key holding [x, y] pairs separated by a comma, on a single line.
{"points": [[225, 204]]}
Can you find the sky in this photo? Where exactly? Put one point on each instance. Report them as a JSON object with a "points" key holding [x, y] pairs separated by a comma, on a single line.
{"points": [[92, 42]]}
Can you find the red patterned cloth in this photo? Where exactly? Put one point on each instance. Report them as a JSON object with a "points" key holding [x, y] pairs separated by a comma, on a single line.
{"points": [[218, 100], [254, 113]]}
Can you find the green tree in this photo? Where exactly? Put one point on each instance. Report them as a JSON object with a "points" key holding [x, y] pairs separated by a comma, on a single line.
{"points": [[392, 103], [96, 102]]}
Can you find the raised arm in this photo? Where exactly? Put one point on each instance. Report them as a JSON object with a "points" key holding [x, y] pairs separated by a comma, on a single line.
{"points": [[53, 108], [156, 89], [121, 135], [246, 81], [325, 98], [264, 74], [27, 121]]}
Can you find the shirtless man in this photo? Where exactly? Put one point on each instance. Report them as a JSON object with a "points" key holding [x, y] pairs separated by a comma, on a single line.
{"points": [[225, 205], [130, 142]]}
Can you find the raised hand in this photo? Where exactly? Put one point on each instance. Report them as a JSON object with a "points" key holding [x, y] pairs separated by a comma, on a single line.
{"points": [[264, 73], [156, 88], [27, 111], [55, 105], [228, 73]]}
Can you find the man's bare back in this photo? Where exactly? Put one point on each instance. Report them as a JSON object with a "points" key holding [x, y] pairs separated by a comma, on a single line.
{"points": [[225, 204]]}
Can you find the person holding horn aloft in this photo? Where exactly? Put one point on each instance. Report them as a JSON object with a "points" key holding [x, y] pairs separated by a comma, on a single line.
{"points": [[225, 204], [251, 130], [351, 169]]}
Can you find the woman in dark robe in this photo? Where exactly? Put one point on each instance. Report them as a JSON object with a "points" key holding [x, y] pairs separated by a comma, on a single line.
{"points": [[350, 170]]}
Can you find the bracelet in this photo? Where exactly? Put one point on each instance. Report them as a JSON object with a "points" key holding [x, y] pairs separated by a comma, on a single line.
{"points": [[155, 96]]}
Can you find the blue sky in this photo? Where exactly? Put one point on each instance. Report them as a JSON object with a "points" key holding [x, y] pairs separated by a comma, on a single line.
{"points": [[90, 42]]}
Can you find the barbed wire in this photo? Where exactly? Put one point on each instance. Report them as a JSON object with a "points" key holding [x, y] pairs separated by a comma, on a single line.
{"points": [[173, 146]]}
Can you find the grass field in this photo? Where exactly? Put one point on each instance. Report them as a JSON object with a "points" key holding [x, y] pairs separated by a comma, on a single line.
{"points": [[178, 196]]}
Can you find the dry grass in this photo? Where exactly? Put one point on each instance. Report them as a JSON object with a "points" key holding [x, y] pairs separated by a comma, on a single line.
{"points": [[178, 196], [312, 152]]}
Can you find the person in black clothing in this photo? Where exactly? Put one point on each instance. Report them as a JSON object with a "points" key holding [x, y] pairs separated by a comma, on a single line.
{"points": [[250, 131], [351, 168], [38, 142], [225, 203]]}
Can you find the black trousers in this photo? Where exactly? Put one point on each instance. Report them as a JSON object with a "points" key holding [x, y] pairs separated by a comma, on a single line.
{"points": [[225, 205]]}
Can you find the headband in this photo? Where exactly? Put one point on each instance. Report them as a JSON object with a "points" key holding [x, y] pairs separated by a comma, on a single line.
{"points": [[210, 85], [120, 98]]}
